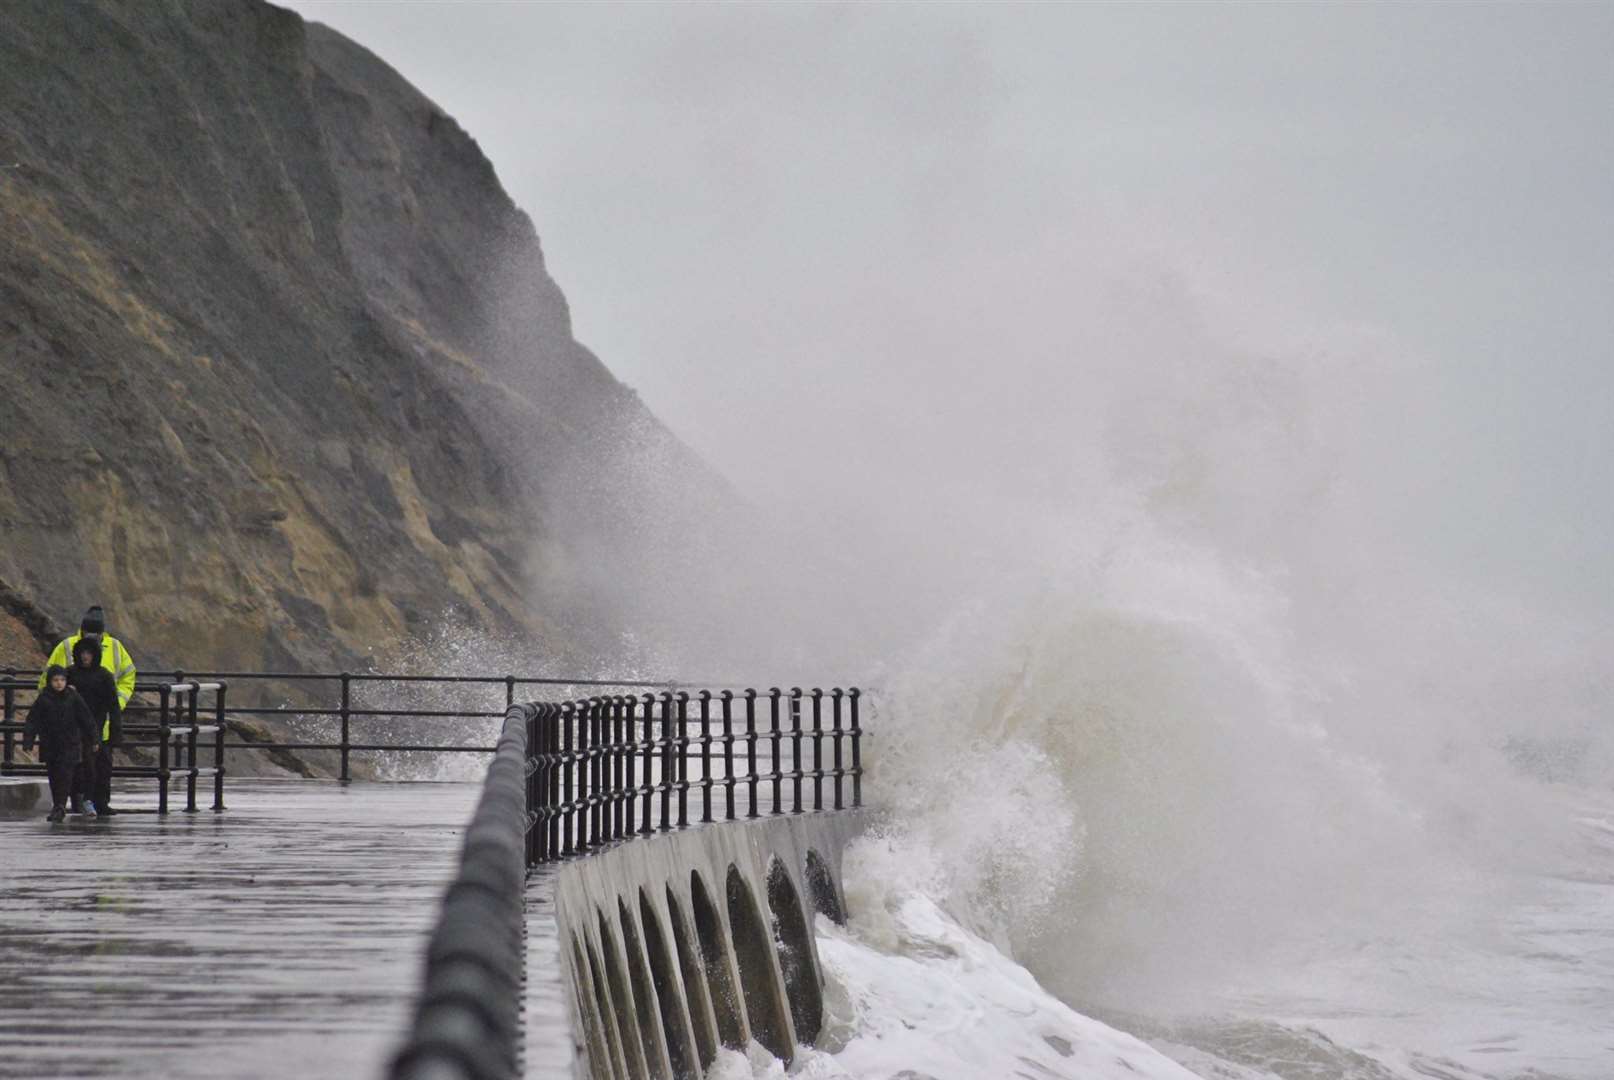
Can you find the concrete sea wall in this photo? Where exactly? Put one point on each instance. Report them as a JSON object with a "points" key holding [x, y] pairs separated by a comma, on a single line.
{"points": [[677, 944]]}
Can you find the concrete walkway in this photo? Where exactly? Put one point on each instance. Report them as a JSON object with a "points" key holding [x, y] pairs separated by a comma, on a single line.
{"points": [[279, 939]]}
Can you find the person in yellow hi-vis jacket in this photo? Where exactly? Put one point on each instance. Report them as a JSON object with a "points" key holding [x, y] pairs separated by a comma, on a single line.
{"points": [[115, 658]]}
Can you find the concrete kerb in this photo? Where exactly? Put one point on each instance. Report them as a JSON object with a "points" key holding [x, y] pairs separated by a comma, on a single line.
{"points": [[23, 797]]}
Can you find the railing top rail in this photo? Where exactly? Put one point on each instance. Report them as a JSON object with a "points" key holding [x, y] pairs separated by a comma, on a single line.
{"points": [[370, 676], [142, 685]]}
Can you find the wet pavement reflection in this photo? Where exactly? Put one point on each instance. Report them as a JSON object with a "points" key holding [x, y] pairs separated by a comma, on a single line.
{"points": [[279, 939]]}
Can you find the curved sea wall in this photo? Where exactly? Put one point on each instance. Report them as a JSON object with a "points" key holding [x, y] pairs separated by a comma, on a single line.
{"points": [[586, 934], [677, 944]]}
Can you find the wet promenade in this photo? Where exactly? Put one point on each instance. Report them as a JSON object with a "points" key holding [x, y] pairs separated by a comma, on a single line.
{"points": [[280, 939]]}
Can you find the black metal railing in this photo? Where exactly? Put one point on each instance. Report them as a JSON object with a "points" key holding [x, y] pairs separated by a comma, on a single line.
{"points": [[175, 729], [571, 777], [347, 713], [604, 769]]}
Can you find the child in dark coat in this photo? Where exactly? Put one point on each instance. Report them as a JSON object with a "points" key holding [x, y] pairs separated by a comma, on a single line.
{"points": [[61, 722], [92, 782]]}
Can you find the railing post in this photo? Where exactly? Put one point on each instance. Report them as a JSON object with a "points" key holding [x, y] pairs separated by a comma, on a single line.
{"points": [[728, 753], [818, 749], [613, 717], [585, 775], [568, 715], [190, 752], [218, 750], [7, 757], [601, 823], [706, 755], [669, 770], [682, 759], [552, 743], [628, 714], [775, 734], [533, 772], [857, 754], [835, 713], [162, 749], [649, 702], [751, 746], [795, 746], [347, 734], [509, 691]]}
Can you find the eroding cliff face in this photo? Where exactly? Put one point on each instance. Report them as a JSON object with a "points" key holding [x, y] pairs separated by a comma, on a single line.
{"points": [[285, 376]]}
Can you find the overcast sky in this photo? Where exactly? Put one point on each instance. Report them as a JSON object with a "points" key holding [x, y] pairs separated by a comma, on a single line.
{"points": [[748, 206]]}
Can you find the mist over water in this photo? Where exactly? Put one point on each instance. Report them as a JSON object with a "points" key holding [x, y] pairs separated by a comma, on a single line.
{"points": [[1171, 707]]}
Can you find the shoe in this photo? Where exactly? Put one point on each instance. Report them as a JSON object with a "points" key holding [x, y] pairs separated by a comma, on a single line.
{"points": [[104, 811], [89, 808], [57, 813]]}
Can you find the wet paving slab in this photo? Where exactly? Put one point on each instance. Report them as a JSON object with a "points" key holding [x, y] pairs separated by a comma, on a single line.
{"points": [[281, 938]]}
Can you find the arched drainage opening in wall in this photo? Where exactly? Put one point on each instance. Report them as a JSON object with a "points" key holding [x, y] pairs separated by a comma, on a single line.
{"points": [[826, 898], [680, 1051], [689, 963], [632, 1048], [795, 954], [646, 1001], [593, 1023], [709, 930], [753, 953], [612, 1066]]}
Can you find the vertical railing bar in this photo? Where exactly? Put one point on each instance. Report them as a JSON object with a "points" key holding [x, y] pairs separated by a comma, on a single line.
{"points": [[681, 760], [751, 747], [775, 735], [190, 754], [219, 712], [727, 700], [646, 823], [162, 750], [597, 788], [857, 752], [630, 758], [623, 814], [569, 838], [795, 746], [835, 719], [706, 755], [818, 748], [668, 769], [537, 795], [8, 758], [347, 734]]}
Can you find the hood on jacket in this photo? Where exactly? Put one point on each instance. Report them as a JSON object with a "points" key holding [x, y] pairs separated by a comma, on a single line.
{"points": [[90, 646], [51, 672]]}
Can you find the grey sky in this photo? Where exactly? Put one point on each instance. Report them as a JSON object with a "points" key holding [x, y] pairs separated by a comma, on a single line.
{"points": [[806, 219]]}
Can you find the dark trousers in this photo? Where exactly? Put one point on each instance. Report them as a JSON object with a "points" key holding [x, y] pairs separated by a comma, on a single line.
{"points": [[60, 774], [101, 783], [93, 777]]}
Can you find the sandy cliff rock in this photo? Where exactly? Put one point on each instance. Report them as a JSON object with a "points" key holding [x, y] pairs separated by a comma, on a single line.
{"points": [[285, 376]]}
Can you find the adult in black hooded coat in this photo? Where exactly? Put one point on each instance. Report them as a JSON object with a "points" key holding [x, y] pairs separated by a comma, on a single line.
{"points": [[61, 722], [93, 778]]}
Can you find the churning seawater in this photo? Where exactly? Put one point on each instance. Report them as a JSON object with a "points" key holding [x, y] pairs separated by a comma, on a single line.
{"points": [[1125, 828]]}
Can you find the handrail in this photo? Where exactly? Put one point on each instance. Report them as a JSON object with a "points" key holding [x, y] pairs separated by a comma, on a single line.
{"points": [[467, 1021]]}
